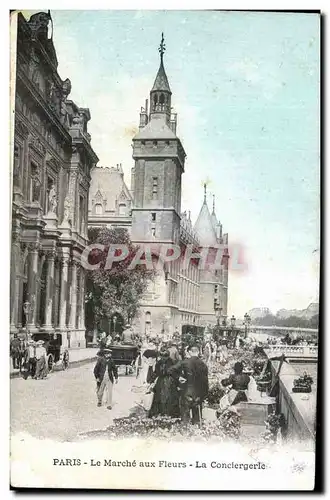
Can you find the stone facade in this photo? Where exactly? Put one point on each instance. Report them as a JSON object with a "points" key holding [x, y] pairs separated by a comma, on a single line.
{"points": [[51, 177], [181, 294]]}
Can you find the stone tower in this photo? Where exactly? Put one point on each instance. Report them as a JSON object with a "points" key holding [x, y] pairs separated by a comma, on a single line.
{"points": [[213, 282], [159, 164]]}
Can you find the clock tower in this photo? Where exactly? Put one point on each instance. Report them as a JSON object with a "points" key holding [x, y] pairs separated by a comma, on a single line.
{"points": [[159, 164]]}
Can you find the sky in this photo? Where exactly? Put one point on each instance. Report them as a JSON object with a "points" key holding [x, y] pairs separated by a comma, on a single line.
{"points": [[246, 90]]}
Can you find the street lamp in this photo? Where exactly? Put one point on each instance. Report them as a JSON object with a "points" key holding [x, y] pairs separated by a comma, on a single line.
{"points": [[232, 324], [218, 313], [26, 309], [247, 321]]}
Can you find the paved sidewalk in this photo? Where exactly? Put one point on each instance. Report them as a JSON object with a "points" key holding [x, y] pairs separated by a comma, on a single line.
{"points": [[76, 357]]}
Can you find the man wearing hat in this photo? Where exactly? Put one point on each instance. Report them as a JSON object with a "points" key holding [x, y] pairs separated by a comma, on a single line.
{"points": [[173, 351], [192, 375], [105, 372], [29, 362], [15, 351], [40, 355], [128, 335]]}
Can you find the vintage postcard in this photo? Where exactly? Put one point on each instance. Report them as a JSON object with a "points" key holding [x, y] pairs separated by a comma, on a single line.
{"points": [[165, 198]]}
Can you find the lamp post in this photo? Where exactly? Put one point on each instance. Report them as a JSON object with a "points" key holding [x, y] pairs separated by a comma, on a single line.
{"points": [[232, 325], [167, 329], [26, 309], [247, 321], [218, 314]]}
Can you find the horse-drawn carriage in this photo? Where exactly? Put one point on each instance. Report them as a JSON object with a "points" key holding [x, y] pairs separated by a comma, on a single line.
{"points": [[57, 354], [125, 355]]}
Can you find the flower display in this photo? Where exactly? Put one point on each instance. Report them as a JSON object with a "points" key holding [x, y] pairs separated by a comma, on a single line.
{"points": [[167, 428], [216, 391], [274, 423]]}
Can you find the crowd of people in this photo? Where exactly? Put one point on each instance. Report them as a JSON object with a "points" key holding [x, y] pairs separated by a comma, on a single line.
{"points": [[174, 375], [178, 385], [29, 357]]}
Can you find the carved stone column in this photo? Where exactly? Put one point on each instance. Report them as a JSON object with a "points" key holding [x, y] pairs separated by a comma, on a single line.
{"points": [[14, 282], [32, 282], [63, 291], [81, 324], [49, 290], [73, 296]]}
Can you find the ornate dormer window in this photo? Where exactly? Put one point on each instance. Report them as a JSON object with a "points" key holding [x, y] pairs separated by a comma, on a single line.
{"points": [[98, 209], [122, 209]]}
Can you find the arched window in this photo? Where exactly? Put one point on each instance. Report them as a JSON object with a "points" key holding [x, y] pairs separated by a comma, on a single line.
{"points": [[122, 209], [98, 209], [161, 99]]}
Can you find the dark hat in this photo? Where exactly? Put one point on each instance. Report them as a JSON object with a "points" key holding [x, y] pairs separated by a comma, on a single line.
{"points": [[238, 367]]}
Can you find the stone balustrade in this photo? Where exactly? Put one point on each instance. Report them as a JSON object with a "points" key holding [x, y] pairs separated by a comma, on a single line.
{"points": [[299, 350]]}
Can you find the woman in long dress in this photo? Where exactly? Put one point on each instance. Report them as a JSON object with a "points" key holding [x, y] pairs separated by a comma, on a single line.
{"points": [[238, 382], [166, 396]]}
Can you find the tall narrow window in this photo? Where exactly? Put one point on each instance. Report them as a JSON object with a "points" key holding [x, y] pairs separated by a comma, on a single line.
{"points": [[17, 164], [98, 209], [81, 213], [153, 232], [49, 186], [35, 184], [215, 289], [154, 188], [122, 209], [162, 101], [153, 217]]}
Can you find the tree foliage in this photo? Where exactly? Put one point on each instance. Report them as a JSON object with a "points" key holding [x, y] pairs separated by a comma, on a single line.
{"points": [[119, 288], [290, 322]]}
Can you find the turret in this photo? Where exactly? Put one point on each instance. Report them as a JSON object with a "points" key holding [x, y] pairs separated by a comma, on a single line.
{"points": [[160, 94]]}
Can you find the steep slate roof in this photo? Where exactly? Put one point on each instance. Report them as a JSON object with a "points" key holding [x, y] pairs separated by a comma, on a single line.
{"points": [[108, 182], [161, 81], [155, 129], [204, 227]]}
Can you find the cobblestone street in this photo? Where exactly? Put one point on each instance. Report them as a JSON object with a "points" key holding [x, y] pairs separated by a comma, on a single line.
{"points": [[64, 405]]}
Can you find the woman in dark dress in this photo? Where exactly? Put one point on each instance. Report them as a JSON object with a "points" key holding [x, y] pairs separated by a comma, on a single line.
{"points": [[239, 383], [166, 397]]}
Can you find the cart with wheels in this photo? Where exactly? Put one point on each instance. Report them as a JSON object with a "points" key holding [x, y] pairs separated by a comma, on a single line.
{"points": [[125, 355], [57, 354]]}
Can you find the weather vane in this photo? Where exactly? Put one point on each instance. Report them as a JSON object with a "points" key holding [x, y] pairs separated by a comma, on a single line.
{"points": [[162, 47]]}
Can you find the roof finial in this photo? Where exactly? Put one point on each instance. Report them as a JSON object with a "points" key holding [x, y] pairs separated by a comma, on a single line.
{"points": [[51, 20], [204, 192], [214, 203], [162, 47]]}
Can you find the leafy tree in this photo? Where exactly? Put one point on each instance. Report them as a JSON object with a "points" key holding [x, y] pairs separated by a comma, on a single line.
{"points": [[119, 288], [291, 321]]}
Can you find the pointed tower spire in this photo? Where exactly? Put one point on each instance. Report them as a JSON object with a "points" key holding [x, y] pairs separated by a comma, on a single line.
{"points": [[160, 95], [204, 226], [161, 81]]}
